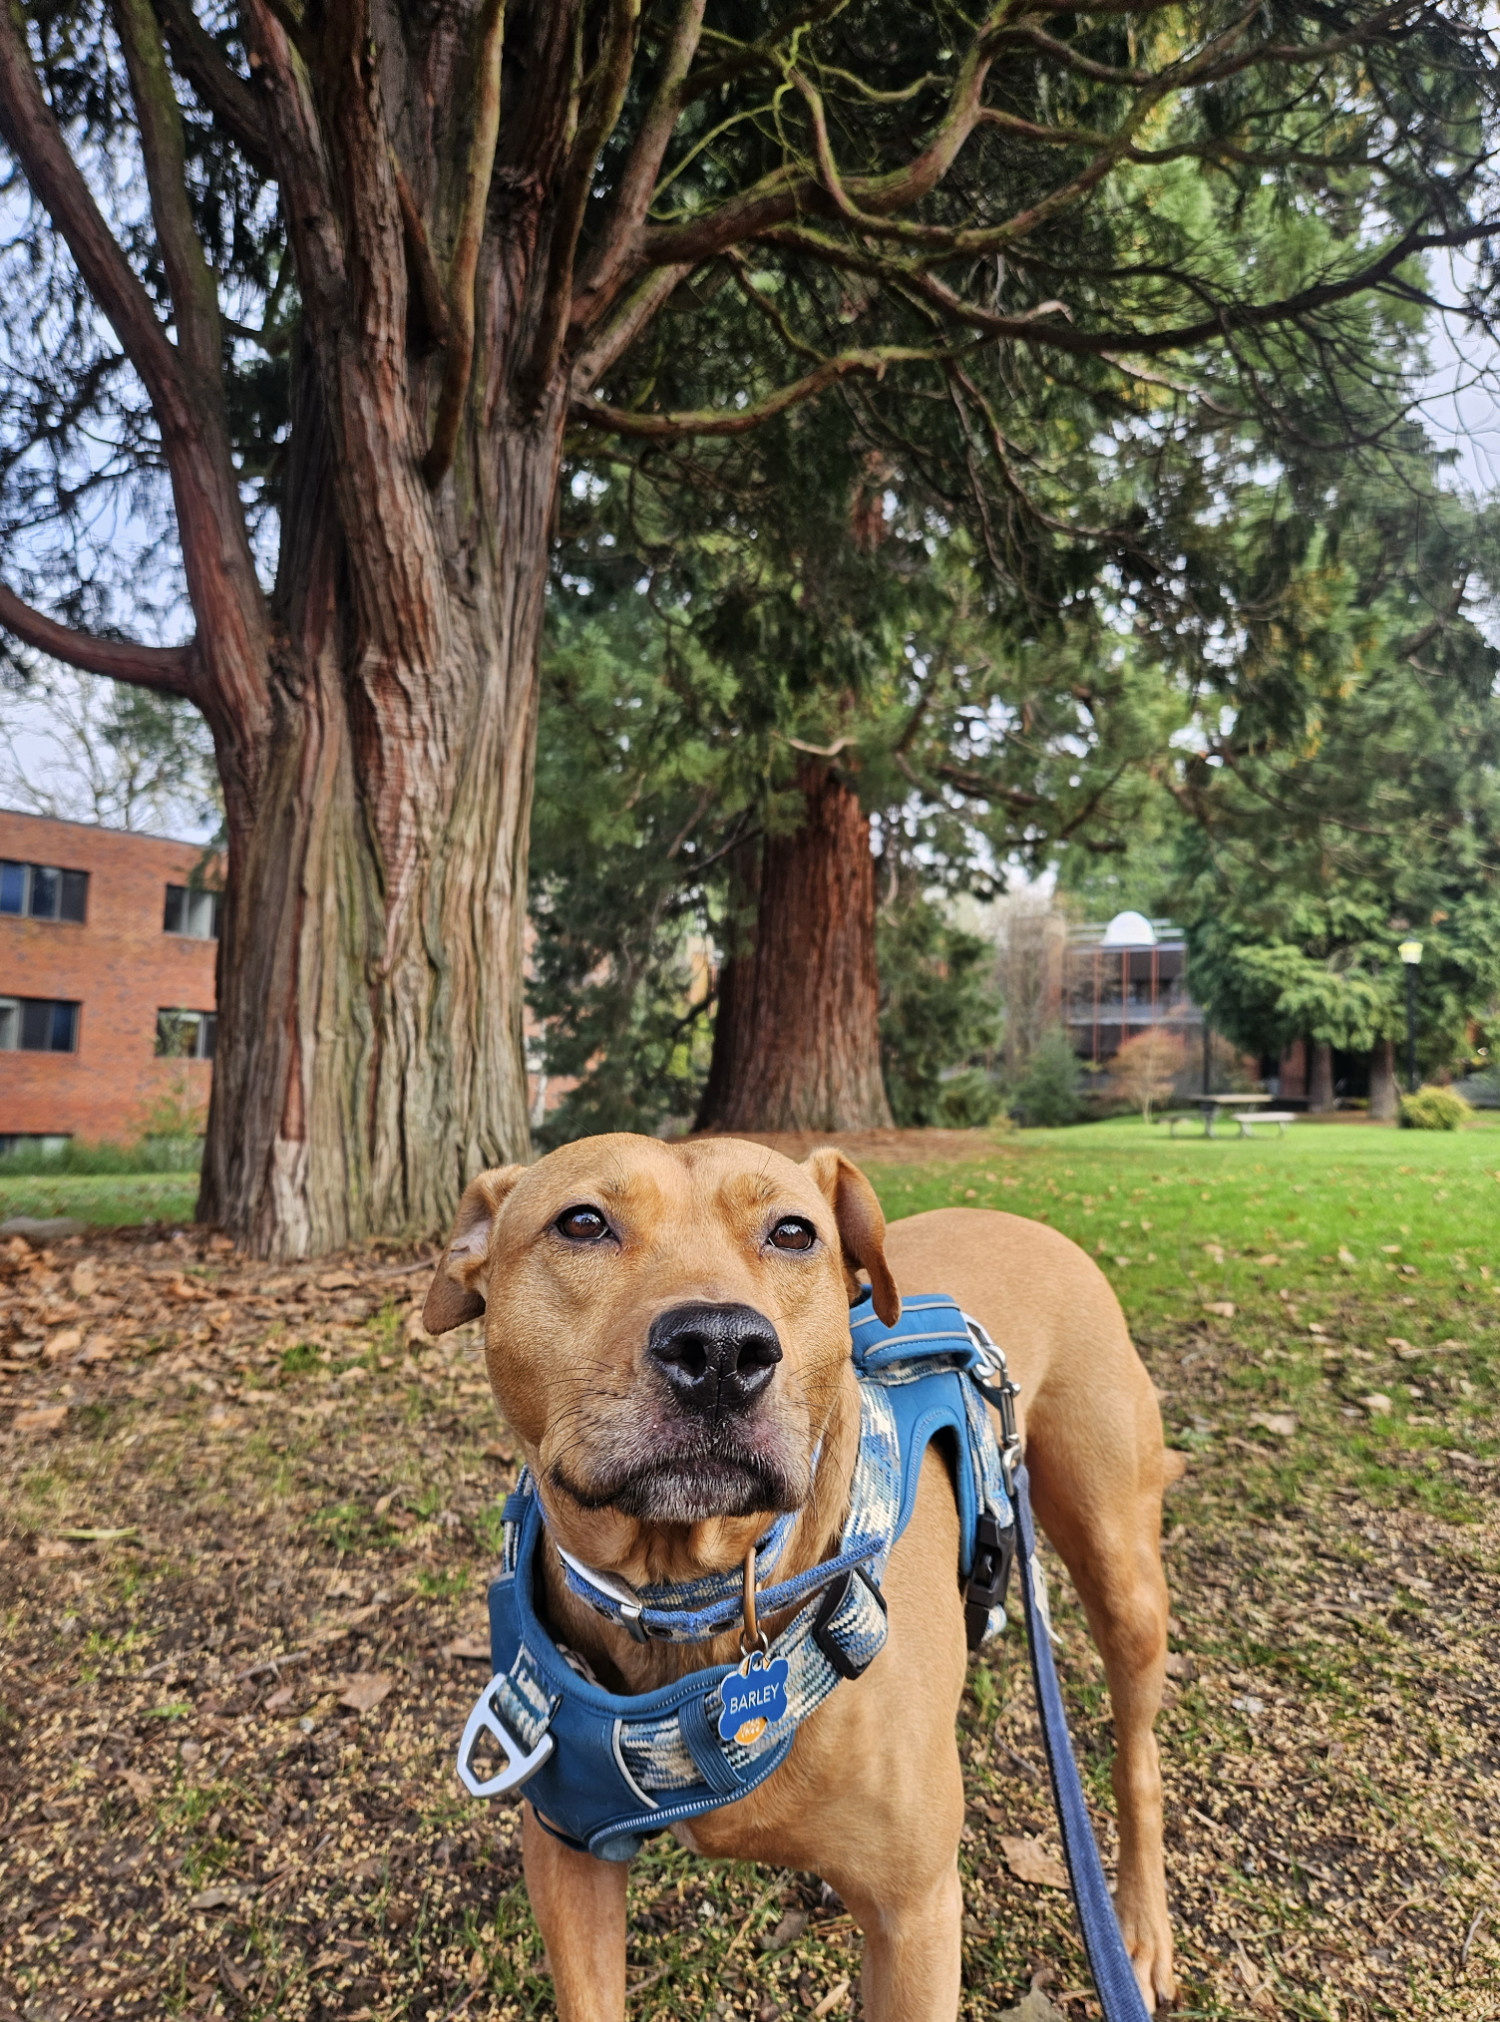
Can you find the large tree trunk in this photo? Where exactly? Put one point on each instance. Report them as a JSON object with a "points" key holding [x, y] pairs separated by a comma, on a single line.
{"points": [[1383, 1081], [371, 961], [800, 1048], [1319, 1076], [372, 941]]}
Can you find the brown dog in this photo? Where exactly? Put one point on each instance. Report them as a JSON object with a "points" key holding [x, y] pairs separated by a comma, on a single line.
{"points": [[578, 1264]]}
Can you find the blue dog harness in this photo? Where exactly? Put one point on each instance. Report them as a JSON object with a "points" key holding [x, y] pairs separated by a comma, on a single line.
{"points": [[604, 1770]]}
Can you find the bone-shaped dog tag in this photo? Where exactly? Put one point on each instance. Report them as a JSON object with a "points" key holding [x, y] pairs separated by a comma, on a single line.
{"points": [[754, 1698]]}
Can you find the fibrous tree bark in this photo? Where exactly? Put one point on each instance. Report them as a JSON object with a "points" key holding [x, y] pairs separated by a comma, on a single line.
{"points": [[1383, 1092], [481, 207], [1319, 1075], [797, 1039]]}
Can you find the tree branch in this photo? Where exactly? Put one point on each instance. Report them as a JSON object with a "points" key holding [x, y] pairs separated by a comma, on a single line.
{"points": [[617, 336], [460, 307], [229, 98], [195, 293], [740, 420], [1029, 329], [604, 95], [306, 188], [608, 267], [31, 132], [169, 670]]}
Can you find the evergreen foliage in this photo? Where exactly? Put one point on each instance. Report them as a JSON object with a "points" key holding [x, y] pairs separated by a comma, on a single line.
{"points": [[1046, 1096], [939, 1018], [1313, 846]]}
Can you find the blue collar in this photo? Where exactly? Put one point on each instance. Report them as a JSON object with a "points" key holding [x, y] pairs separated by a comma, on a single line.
{"points": [[696, 1611]]}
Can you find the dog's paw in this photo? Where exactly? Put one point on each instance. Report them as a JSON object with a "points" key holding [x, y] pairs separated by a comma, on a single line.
{"points": [[1148, 1940]]}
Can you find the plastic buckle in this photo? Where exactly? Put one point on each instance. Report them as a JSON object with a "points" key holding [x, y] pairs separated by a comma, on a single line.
{"points": [[519, 1765], [994, 1554]]}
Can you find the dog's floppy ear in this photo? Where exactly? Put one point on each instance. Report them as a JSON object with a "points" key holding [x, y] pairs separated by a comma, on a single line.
{"points": [[454, 1295], [861, 1225]]}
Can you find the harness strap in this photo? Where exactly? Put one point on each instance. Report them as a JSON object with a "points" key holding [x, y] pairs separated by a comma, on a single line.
{"points": [[1109, 1962]]}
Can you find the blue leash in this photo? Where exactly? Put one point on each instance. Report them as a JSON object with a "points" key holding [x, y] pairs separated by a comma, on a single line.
{"points": [[1109, 1962]]}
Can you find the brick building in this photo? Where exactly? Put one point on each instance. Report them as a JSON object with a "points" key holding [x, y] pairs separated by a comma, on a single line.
{"points": [[108, 944]]}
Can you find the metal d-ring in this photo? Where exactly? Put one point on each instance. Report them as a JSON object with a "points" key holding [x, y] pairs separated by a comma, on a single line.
{"points": [[520, 1763]]}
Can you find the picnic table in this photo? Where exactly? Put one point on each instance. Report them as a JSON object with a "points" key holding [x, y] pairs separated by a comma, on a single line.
{"points": [[1244, 1109]]}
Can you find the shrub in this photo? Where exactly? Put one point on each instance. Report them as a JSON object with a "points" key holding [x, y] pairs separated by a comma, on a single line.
{"points": [[969, 1101], [1434, 1109], [1145, 1070], [151, 1154], [1046, 1095]]}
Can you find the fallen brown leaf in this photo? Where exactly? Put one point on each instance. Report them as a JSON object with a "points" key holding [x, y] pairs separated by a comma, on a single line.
{"points": [[1028, 1861], [1282, 1423], [45, 1418], [365, 1690], [216, 1898]]}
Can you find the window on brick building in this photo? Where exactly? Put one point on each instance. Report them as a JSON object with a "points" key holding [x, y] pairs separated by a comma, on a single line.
{"points": [[43, 892], [37, 1025], [186, 1035], [192, 912]]}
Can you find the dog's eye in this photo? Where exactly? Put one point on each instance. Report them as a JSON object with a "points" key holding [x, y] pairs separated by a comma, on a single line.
{"points": [[581, 1225], [793, 1234]]}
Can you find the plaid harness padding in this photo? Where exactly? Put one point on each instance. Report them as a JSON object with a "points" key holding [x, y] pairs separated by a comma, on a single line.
{"points": [[623, 1766]]}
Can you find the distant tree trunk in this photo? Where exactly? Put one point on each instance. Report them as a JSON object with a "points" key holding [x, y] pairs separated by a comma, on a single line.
{"points": [[1319, 1076], [1383, 1081], [797, 1039], [735, 999]]}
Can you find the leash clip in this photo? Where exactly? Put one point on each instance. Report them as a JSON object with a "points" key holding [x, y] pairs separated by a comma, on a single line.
{"points": [[1000, 1387], [519, 1764]]}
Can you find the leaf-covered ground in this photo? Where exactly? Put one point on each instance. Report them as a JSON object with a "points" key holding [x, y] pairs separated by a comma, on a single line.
{"points": [[244, 1546]]}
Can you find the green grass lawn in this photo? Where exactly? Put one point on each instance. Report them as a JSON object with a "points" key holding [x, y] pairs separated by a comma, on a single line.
{"points": [[106, 1200], [1324, 1207]]}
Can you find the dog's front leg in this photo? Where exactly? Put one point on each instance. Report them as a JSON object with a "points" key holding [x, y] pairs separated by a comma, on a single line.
{"points": [[913, 1935], [579, 1905]]}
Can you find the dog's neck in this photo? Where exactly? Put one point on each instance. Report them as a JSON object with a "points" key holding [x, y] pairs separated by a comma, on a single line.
{"points": [[623, 1665]]}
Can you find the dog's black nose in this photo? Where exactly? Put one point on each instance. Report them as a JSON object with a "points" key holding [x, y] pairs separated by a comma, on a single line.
{"points": [[716, 1358]]}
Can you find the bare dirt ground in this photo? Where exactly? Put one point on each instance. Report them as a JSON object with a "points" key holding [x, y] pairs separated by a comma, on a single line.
{"points": [[246, 1524]]}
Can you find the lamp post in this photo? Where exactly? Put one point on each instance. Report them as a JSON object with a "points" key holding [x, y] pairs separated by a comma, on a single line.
{"points": [[1411, 954]]}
